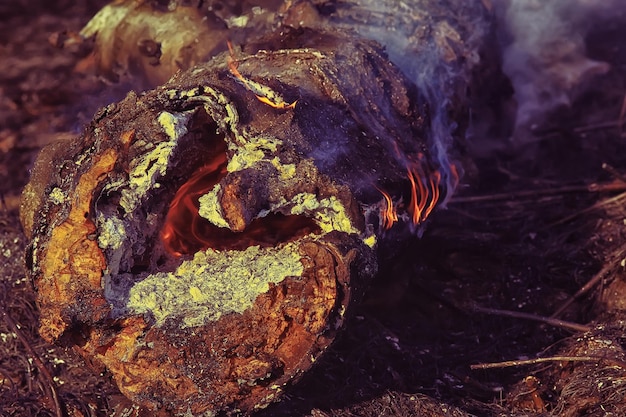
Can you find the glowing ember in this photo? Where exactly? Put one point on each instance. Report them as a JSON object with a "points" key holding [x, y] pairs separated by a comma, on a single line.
{"points": [[182, 233], [455, 176], [186, 232], [263, 93]]}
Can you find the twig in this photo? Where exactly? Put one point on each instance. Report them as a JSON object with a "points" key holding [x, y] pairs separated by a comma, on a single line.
{"points": [[592, 188], [6, 378], [506, 364], [622, 114], [36, 360], [579, 130], [597, 126], [528, 316], [613, 263], [611, 170], [595, 206]]}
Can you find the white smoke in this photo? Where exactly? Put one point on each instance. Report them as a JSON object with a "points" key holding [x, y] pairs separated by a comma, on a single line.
{"points": [[436, 44], [544, 53]]}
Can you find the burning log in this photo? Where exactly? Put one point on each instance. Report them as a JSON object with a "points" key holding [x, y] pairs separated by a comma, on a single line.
{"points": [[204, 242]]}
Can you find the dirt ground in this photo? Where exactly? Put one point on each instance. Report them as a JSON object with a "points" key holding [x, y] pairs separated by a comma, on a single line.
{"points": [[530, 226]]}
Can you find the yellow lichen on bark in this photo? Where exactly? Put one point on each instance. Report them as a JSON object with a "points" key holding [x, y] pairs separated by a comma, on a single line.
{"points": [[63, 273]]}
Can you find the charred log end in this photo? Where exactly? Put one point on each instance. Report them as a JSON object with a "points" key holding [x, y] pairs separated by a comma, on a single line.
{"points": [[239, 360], [73, 253], [190, 283], [34, 192], [206, 246]]}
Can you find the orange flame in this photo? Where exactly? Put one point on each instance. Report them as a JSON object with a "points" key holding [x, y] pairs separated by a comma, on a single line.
{"points": [[183, 223], [186, 232], [425, 194], [388, 214], [455, 176], [263, 93]]}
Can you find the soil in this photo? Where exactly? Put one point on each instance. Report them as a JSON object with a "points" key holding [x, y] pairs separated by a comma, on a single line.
{"points": [[530, 226]]}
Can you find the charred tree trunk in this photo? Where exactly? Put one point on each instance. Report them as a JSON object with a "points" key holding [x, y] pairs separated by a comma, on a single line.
{"points": [[204, 241]]}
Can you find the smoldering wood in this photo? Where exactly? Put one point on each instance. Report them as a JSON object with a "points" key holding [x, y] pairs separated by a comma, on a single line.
{"points": [[143, 227], [595, 389], [291, 204]]}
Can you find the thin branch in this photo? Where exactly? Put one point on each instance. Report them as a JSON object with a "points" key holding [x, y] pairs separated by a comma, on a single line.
{"points": [[595, 206], [506, 364], [621, 180], [528, 316], [597, 126], [592, 188], [611, 170], [622, 114], [606, 125], [617, 258]]}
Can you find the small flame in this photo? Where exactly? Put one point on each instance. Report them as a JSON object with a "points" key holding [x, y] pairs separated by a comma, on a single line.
{"points": [[186, 232], [183, 222], [425, 193], [262, 92], [455, 176], [389, 215]]}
